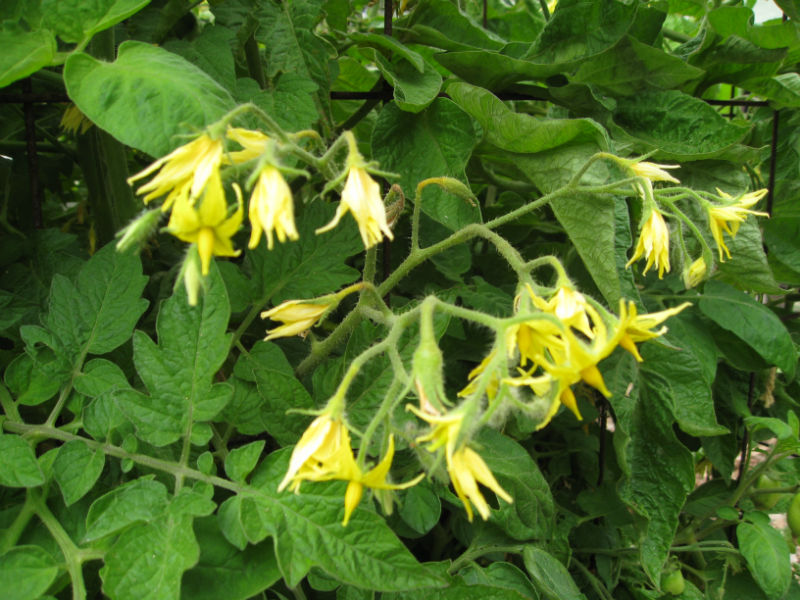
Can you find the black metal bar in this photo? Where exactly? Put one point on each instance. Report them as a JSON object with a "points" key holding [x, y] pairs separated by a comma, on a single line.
{"points": [[773, 158], [737, 102], [387, 16], [33, 161], [31, 97]]}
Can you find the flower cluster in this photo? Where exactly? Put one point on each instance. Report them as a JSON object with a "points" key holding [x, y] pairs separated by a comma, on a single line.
{"points": [[562, 344], [189, 180], [723, 212]]}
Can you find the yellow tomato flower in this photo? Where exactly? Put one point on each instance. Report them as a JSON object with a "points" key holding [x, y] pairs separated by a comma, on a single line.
{"points": [[653, 244], [362, 197], [324, 453], [297, 316], [208, 225], [494, 382], [542, 386], [695, 274], [728, 218], [74, 121], [638, 328], [183, 173], [465, 466], [653, 171], [271, 208], [253, 142], [568, 305]]}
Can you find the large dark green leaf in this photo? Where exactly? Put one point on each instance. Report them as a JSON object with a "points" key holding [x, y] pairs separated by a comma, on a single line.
{"points": [[77, 20], [25, 52], [516, 132], [658, 469], [679, 126], [435, 142], [752, 322], [146, 97]]}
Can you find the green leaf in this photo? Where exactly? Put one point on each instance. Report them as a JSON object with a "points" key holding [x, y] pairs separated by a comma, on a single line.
{"points": [[96, 313], [421, 508], [25, 52], [224, 572], [99, 377], [312, 266], [517, 132], [413, 90], [308, 532], [135, 501], [750, 321], [767, 557], [179, 370], [579, 29], [179, 96], [500, 574], [681, 375], [748, 268], [240, 461], [549, 575], [26, 572], [441, 24], [458, 589], [76, 469], [148, 560], [211, 52], [631, 67], [290, 101], [36, 380], [783, 91], [532, 513], [279, 391], [436, 142], [658, 469], [77, 20], [679, 126], [389, 43], [18, 466], [291, 46]]}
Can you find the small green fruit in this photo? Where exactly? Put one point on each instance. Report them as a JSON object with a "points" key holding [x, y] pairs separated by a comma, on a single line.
{"points": [[793, 515], [766, 501], [673, 582]]}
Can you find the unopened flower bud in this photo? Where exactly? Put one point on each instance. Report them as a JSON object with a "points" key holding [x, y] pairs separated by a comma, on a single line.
{"points": [[138, 231]]}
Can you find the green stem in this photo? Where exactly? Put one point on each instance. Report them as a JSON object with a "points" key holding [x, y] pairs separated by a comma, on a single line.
{"points": [[253, 57], [13, 532], [172, 468], [470, 554], [72, 555], [8, 405], [598, 585], [185, 451]]}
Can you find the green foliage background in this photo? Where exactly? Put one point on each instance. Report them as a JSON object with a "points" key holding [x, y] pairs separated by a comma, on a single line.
{"points": [[143, 439]]}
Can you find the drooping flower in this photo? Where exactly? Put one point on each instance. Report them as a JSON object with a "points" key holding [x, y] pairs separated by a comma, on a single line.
{"points": [[653, 244], [695, 273], [74, 121], [253, 142], [297, 316], [183, 173], [361, 196], [653, 171], [639, 328], [728, 218], [208, 224], [324, 453], [465, 466], [271, 208]]}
